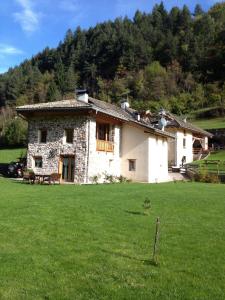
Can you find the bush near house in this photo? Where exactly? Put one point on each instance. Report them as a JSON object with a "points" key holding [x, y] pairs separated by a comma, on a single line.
{"points": [[15, 132]]}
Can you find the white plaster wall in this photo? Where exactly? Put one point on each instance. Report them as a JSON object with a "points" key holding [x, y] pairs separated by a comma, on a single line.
{"points": [[100, 162], [158, 159], [150, 153], [171, 152], [134, 145], [183, 151]]}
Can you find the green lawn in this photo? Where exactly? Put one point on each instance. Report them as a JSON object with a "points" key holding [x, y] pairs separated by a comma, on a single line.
{"points": [[94, 242], [8, 155], [219, 155], [213, 123]]}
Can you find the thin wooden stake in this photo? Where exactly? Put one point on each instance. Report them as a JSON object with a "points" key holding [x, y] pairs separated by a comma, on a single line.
{"points": [[156, 240]]}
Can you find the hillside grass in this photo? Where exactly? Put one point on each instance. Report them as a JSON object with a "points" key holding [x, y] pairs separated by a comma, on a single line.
{"points": [[218, 155], [213, 123], [8, 155], [95, 242]]}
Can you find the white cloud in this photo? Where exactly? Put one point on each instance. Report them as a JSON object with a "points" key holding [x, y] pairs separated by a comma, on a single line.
{"points": [[69, 5], [27, 17], [9, 50]]}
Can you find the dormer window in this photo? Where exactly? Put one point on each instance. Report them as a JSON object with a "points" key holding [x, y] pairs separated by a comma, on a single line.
{"points": [[42, 136]]}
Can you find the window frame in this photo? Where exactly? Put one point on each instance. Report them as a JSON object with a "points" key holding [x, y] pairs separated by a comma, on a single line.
{"points": [[105, 132], [131, 168], [66, 131], [36, 158], [40, 136]]}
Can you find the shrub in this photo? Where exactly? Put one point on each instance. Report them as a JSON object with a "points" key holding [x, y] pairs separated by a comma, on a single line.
{"points": [[95, 179], [15, 132], [122, 179], [108, 178], [205, 176]]}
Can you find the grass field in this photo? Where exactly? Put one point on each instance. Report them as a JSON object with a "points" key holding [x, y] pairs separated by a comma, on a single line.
{"points": [[219, 155], [8, 155], [94, 242], [213, 123]]}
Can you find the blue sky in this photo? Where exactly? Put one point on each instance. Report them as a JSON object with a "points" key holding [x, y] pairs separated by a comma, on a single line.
{"points": [[28, 26]]}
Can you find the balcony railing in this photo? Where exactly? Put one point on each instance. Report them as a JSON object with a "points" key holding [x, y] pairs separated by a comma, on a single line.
{"points": [[104, 146]]}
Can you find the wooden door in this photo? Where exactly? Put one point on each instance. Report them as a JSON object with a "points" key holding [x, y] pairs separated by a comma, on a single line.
{"points": [[66, 166]]}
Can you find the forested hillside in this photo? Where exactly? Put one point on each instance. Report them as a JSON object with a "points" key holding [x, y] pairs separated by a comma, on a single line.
{"points": [[174, 59]]}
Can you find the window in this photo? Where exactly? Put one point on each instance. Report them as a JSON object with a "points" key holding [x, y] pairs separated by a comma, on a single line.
{"points": [[185, 133], [184, 143], [104, 132], [42, 136], [132, 164], [69, 136], [38, 162]]}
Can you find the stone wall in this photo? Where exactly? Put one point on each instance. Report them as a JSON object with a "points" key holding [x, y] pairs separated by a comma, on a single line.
{"points": [[56, 146]]}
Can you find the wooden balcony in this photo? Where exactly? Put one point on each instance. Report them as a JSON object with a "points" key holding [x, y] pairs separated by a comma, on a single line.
{"points": [[104, 146]]}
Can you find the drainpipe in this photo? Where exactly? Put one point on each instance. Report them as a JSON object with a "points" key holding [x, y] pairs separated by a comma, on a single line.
{"points": [[88, 150], [176, 151]]}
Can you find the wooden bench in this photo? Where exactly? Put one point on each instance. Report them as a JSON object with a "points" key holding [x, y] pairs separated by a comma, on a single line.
{"points": [[54, 177]]}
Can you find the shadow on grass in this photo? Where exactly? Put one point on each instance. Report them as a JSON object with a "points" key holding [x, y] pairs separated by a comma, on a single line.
{"points": [[19, 181], [135, 213], [149, 262]]}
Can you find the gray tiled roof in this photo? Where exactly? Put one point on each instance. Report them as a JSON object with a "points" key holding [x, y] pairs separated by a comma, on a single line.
{"points": [[93, 104], [71, 103], [186, 125]]}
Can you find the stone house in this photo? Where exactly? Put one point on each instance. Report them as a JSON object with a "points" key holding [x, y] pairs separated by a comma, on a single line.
{"points": [[84, 137]]}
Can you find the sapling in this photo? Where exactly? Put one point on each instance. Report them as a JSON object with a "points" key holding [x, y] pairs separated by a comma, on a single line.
{"points": [[147, 205]]}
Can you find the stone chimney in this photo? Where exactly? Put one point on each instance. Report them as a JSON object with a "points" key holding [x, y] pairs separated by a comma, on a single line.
{"points": [[82, 95]]}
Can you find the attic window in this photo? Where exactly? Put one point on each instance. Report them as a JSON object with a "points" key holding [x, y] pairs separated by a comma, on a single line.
{"points": [[132, 165], [69, 136], [42, 136]]}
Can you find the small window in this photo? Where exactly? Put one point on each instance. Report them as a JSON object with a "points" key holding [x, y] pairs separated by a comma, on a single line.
{"points": [[38, 162], [184, 143], [185, 133], [69, 136], [110, 163], [132, 164], [42, 136]]}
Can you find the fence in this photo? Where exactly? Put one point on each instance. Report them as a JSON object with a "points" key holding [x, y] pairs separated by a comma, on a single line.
{"points": [[214, 167]]}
